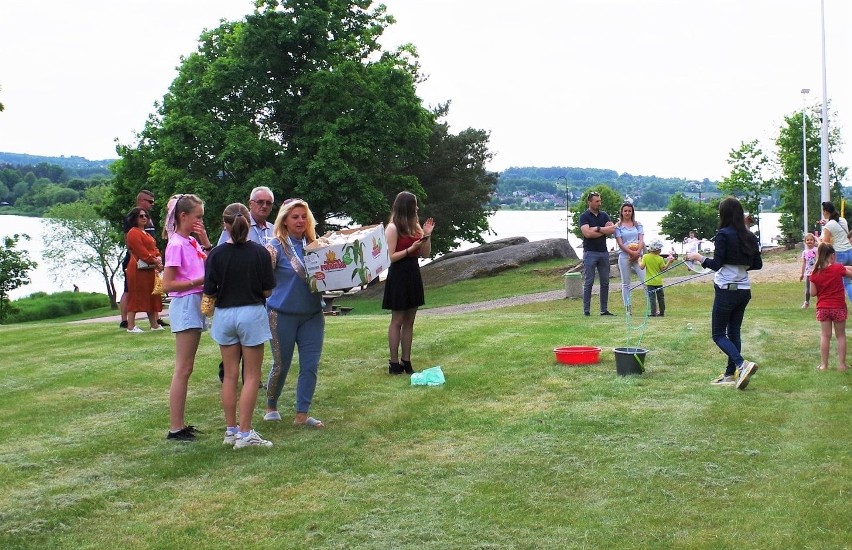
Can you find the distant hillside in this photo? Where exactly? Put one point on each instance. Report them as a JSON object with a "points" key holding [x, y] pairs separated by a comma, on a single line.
{"points": [[75, 163], [550, 187]]}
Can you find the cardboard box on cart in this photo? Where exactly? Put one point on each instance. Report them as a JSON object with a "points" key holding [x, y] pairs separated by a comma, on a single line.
{"points": [[340, 260]]}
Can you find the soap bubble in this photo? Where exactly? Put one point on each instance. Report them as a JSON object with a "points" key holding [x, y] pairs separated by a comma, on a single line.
{"points": [[689, 326]]}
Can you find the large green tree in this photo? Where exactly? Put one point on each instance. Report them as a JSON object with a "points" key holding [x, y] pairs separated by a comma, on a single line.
{"points": [[15, 266], [610, 203], [747, 180], [687, 215], [791, 169], [80, 240], [456, 183], [300, 97]]}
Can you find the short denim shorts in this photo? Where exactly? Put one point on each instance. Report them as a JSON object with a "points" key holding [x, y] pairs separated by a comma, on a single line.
{"points": [[246, 325], [185, 313]]}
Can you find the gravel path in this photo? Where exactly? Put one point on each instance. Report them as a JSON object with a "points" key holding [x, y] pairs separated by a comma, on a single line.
{"points": [[771, 272]]}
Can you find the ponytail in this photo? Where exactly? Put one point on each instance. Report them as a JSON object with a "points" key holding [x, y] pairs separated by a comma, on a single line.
{"points": [[236, 217]]}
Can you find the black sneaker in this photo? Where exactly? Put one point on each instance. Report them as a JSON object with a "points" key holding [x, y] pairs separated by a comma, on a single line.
{"points": [[606, 313], [122, 324], [193, 430], [162, 323], [586, 313], [181, 435]]}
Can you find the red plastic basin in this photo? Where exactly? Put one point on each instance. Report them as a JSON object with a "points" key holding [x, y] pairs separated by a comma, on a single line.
{"points": [[578, 355]]}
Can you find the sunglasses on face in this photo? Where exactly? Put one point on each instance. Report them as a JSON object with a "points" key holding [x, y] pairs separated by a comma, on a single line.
{"points": [[145, 216], [262, 203]]}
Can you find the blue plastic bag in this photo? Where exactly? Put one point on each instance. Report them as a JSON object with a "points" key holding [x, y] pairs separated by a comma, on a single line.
{"points": [[429, 377]]}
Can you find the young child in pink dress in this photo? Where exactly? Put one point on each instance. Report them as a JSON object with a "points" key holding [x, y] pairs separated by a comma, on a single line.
{"points": [[808, 261]]}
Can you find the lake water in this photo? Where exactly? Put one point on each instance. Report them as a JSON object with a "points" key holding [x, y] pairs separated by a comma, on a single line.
{"points": [[534, 225]]}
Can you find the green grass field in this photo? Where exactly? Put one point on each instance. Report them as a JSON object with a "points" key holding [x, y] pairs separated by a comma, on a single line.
{"points": [[514, 451]]}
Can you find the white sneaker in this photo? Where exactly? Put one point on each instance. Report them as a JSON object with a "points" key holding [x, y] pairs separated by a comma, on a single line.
{"points": [[747, 369], [252, 440], [230, 438], [135, 330], [274, 415], [157, 328]]}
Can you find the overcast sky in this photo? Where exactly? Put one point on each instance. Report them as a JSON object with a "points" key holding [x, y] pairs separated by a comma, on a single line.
{"points": [[650, 87]]}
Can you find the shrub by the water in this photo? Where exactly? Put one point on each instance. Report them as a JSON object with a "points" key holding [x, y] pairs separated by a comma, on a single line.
{"points": [[40, 305]]}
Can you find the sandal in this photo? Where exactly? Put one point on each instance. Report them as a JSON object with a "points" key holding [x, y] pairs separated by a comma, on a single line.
{"points": [[310, 422], [822, 367]]}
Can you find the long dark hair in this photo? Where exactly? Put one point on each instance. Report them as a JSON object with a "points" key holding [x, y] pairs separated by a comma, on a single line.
{"points": [[133, 215], [731, 214], [831, 210], [404, 215]]}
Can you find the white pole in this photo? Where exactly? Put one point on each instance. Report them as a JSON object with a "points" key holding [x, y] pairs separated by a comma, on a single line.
{"points": [[805, 223], [826, 188]]}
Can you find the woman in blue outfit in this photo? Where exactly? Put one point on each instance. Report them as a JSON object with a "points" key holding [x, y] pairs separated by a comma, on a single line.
{"points": [[295, 312]]}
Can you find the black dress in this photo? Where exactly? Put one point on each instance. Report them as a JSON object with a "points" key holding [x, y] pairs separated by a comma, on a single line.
{"points": [[404, 286]]}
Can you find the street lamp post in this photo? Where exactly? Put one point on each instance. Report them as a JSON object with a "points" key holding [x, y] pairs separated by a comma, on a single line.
{"points": [[805, 224], [567, 207], [825, 189]]}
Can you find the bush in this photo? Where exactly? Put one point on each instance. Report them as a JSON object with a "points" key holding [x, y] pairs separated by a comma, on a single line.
{"points": [[40, 306]]}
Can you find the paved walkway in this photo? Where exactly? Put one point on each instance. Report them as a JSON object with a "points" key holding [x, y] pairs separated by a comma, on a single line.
{"points": [[771, 272]]}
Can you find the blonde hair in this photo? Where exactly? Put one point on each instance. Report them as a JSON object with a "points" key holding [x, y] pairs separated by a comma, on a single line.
{"points": [[280, 230]]}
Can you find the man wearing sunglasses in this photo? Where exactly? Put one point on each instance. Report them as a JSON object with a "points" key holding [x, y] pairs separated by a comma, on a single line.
{"points": [[145, 201], [596, 226], [260, 206]]}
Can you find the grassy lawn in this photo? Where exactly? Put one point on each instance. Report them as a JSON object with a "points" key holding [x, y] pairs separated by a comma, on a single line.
{"points": [[514, 451]]}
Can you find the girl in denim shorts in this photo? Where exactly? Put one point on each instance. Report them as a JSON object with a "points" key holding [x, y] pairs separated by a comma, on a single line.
{"points": [[183, 277]]}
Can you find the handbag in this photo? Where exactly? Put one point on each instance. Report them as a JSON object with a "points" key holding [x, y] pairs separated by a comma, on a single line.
{"points": [[143, 265]]}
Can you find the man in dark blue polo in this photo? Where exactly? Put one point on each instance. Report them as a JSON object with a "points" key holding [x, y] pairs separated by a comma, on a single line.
{"points": [[596, 226]]}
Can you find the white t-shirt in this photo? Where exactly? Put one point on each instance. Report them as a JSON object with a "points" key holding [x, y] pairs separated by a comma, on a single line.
{"points": [[839, 235]]}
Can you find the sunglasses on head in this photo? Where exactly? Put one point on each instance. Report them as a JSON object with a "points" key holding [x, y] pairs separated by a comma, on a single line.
{"points": [[288, 201]]}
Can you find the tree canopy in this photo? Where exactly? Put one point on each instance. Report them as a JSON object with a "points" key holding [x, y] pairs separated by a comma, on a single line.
{"points": [[15, 266], [300, 97]]}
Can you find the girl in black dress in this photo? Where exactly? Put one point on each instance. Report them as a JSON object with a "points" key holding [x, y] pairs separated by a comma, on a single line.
{"points": [[407, 241]]}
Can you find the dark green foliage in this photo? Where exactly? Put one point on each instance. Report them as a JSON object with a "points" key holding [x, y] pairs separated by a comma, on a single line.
{"points": [[789, 161], [610, 203], [39, 305], [299, 97], [687, 215], [556, 183], [14, 270]]}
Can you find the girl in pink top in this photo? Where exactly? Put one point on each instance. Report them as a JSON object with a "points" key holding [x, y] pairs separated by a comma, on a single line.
{"points": [[827, 286], [183, 279]]}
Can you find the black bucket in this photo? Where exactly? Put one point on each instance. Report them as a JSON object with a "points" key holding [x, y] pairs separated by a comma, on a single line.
{"points": [[629, 361]]}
